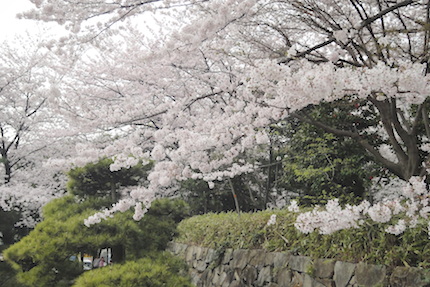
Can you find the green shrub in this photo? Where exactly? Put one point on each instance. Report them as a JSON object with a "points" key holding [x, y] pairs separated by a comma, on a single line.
{"points": [[42, 257], [175, 209], [369, 243], [157, 270], [157, 227]]}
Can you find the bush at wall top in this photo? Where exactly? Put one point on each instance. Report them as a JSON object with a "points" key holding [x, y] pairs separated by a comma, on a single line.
{"points": [[369, 243]]}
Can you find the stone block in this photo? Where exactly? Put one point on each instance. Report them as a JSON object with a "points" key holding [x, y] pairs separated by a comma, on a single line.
{"points": [[189, 254], [207, 276], [297, 279], [326, 282], [210, 256], [235, 284], [201, 265], [280, 259], [370, 275], [180, 248], [300, 263], [236, 275], [248, 275], [343, 272], [219, 278], [406, 276], [228, 255], [195, 277], [257, 258], [264, 277], [269, 259], [308, 281], [240, 259], [200, 253], [227, 279], [283, 277], [324, 268], [218, 270]]}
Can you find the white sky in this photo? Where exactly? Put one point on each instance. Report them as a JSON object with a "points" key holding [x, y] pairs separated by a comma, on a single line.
{"points": [[11, 26]]}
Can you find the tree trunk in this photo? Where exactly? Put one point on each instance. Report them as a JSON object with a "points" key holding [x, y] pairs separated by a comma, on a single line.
{"points": [[401, 136], [7, 169], [236, 202], [269, 177]]}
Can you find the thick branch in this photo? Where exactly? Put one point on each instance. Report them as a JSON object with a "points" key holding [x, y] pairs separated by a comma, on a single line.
{"points": [[383, 12], [365, 23], [426, 121], [387, 121], [308, 51]]}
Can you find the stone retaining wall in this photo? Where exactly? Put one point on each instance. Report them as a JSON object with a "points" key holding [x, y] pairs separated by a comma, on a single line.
{"points": [[242, 267]]}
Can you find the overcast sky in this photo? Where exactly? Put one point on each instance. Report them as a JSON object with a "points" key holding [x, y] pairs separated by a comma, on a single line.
{"points": [[10, 25]]}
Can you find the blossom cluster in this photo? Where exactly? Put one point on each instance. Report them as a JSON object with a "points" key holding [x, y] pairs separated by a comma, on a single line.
{"points": [[272, 220], [197, 99], [27, 200], [140, 203], [413, 204]]}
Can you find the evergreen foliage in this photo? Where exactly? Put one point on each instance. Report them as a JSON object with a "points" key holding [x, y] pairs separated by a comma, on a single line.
{"points": [[157, 270], [97, 178], [42, 257]]}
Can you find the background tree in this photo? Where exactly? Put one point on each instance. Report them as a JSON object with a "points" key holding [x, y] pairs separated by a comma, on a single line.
{"points": [[29, 134], [9, 231], [323, 165], [320, 166], [96, 179], [24, 94], [244, 190]]}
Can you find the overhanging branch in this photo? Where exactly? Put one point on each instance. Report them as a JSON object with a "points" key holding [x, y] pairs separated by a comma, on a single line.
{"points": [[392, 166]]}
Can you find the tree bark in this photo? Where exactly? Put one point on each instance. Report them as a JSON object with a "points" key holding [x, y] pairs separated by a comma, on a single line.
{"points": [[402, 137], [236, 202]]}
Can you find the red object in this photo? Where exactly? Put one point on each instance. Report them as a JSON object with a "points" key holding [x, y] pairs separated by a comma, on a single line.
{"points": [[102, 262]]}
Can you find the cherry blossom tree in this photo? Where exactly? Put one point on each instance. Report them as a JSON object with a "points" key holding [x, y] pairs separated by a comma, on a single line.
{"points": [[198, 95], [29, 128]]}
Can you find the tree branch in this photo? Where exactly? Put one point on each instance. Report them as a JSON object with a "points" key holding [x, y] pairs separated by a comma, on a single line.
{"points": [[392, 166], [370, 20]]}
